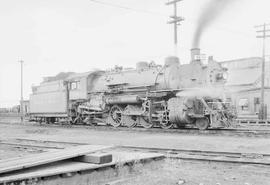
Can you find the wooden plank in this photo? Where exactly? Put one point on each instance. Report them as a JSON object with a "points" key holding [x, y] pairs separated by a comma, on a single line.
{"points": [[72, 166], [48, 157], [96, 158]]}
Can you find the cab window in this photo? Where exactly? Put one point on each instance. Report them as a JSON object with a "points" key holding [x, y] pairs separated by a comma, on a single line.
{"points": [[75, 85]]}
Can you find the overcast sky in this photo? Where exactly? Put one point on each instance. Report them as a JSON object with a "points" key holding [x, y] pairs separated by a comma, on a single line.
{"points": [[52, 36]]}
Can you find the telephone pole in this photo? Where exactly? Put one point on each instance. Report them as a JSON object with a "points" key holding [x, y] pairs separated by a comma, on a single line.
{"points": [[265, 34], [21, 101], [176, 22]]}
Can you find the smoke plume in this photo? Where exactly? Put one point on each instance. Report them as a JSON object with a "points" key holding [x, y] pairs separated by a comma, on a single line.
{"points": [[209, 14]]}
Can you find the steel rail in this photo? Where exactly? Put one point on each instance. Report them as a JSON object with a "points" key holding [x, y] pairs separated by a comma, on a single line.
{"points": [[204, 155], [227, 131], [183, 154], [29, 145], [218, 132], [50, 141]]}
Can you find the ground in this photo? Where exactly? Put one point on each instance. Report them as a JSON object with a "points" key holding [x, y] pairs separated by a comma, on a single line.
{"points": [[173, 172], [169, 171]]}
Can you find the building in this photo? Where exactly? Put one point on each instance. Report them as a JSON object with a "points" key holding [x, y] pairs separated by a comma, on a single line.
{"points": [[244, 85], [26, 105]]}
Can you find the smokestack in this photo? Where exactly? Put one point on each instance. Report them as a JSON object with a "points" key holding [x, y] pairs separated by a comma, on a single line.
{"points": [[195, 54], [210, 12]]}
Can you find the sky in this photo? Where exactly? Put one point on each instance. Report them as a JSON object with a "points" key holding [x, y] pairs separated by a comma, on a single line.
{"points": [[53, 36]]}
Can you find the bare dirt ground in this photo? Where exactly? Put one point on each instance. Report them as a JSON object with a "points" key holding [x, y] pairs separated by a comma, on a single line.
{"points": [[174, 172], [164, 172]]}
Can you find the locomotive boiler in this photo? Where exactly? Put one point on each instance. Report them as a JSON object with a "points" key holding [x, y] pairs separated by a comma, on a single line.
{"points": [[149, 95]]}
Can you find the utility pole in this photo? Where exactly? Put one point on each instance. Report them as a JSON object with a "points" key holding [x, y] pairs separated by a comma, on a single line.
{"points": [[21, 102], [176, 22], [264, 30]]}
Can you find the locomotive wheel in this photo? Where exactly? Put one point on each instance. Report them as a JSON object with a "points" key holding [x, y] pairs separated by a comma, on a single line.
{"points": [[166, 125], [129, 121], [202, 123], [164, 122], [144, 123], [115, 116]]}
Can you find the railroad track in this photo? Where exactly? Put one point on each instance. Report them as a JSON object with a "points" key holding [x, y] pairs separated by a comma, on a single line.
{"points": [[224, 132], [31, 143], [182, 154], [241, 132], [210, 156], [19, 145]]}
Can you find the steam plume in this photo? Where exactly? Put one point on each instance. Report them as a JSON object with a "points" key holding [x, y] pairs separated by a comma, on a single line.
{"points": [[202, 92], [209, 14]]}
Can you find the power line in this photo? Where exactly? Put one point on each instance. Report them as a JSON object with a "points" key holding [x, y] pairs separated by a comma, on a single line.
{"points": [[264, 30], [127, 8], [21, 102], [175, 21], [224, 27]]}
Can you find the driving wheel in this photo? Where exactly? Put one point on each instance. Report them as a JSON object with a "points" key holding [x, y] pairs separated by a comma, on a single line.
{"points": [[115, 116], [144, 123]]}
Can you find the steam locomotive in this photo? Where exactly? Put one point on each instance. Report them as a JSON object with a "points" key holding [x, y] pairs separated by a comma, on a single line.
{"points": [[149, 96]]}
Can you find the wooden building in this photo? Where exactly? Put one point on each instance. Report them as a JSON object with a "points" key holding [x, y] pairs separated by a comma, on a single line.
{"points": [[244, 85]]}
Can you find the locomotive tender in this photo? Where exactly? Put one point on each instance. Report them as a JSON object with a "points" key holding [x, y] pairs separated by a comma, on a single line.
{"points": [[150, 95]]}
